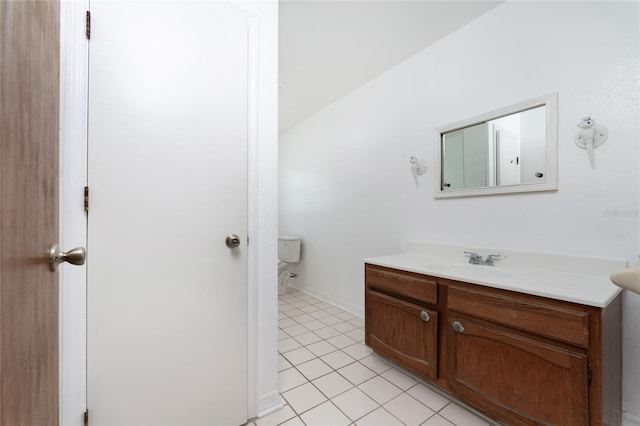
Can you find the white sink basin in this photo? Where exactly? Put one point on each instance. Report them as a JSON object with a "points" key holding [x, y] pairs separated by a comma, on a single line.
{"points": [[469, 270]]}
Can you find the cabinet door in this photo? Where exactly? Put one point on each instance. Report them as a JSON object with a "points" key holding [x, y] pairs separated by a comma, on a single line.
{"points": [[403, 332], [514, 377]]}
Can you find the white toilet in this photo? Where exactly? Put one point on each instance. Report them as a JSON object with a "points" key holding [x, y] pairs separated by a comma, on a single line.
{"points": [[288, 252]]}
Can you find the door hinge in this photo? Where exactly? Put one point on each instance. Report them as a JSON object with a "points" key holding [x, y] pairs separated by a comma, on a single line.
{"points": [[86, 198], [86, 417], [247, 240], [589, 375], [88, 26]]}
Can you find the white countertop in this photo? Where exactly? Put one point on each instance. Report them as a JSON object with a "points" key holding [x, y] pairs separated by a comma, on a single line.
{"points": [[573, 279]]}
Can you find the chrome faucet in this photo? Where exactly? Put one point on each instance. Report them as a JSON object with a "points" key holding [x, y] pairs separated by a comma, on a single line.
{"points": [[476, 259], [489, 260]]}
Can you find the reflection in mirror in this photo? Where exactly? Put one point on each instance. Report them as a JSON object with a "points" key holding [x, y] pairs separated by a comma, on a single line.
{"points": [[510, 150]]}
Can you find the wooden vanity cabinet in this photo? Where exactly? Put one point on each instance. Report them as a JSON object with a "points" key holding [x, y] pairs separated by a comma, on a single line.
{"points": [[520, 359]]}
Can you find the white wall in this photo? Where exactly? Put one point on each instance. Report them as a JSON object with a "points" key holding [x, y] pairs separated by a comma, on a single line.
{"points": [[345, 180]]}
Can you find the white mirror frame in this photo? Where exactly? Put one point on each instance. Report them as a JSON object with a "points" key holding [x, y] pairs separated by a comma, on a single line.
{"points": [[551, 172]]}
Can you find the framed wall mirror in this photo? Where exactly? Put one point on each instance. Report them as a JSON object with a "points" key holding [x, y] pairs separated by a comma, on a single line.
{"points": [[513, 149]]}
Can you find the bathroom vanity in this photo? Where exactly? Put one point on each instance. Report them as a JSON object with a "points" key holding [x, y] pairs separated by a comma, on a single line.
{"points": [[522, 344]]}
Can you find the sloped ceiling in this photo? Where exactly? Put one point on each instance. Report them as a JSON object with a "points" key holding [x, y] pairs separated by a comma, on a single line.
{"points": [[329, 48]]}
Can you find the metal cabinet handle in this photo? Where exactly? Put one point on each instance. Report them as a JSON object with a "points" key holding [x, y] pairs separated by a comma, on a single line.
{"points": [[424, 316], [232, 241], [74, 256], [458, 327]]}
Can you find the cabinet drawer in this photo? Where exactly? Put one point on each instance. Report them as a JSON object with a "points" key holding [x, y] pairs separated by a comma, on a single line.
{"points": [[401, 283], [556, 322]]}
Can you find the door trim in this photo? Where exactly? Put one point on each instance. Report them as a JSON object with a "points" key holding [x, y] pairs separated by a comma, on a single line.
{"points": [[74, 56], [73, 177]]}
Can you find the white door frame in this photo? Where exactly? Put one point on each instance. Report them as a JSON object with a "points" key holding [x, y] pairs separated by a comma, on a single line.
{"points": [[74, 56]]}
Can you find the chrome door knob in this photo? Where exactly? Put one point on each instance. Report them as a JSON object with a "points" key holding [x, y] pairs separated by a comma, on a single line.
{"points": [[74, 256], [424, 316], [232, 241]]}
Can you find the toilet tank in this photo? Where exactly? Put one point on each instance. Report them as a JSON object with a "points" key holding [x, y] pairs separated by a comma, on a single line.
{"points": [[289, 248]]}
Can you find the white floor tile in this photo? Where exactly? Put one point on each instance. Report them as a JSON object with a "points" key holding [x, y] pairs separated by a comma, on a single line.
{"points": [[335, 311], [379, 418], [344, 327], [337, 359], [327, 332], [293, 422], [299, 304], [460, 416], [356, 373], [346, 316], [283, 364], [308, 338], [306, 297], [289, 379], [357, 351], [314, 369], [282, 335], [332, 384], [298, 356], [288, 344], [314, 325], [408, 409], [292, 311], [282, 316], [324, 305], [303, 318], [277, 417], [354, 403], [381, 390], [431, 399], [375, 363], [295, 330], [320, 314], [399, 378], [308, 309], [321, 348], [330, 320], [304, 397], [358, 322], [438, 420], [287, 322], [357, 335], [325, 415], [340, 341]]}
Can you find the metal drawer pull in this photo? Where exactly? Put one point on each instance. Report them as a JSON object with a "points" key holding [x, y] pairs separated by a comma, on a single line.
{"points": [[458, 327], [424, 316]]}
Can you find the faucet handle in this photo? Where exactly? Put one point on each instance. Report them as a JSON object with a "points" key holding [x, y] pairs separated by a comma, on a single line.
{"points": [[490, 258], [474, 258]]}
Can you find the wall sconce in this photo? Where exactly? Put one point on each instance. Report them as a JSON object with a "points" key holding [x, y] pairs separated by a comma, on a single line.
{"points": [[590, 136], [418, 168]]}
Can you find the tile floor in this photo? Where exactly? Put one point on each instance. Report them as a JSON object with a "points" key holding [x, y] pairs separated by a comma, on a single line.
{"points": [[329, 377]]}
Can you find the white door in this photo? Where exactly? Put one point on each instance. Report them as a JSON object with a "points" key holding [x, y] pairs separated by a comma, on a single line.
{"points": [[167, 172], [507, 148]]}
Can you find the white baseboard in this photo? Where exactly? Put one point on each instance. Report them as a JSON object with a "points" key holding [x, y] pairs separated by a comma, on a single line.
{"points": [[347, 306], [629, 420], [269, 403]]}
